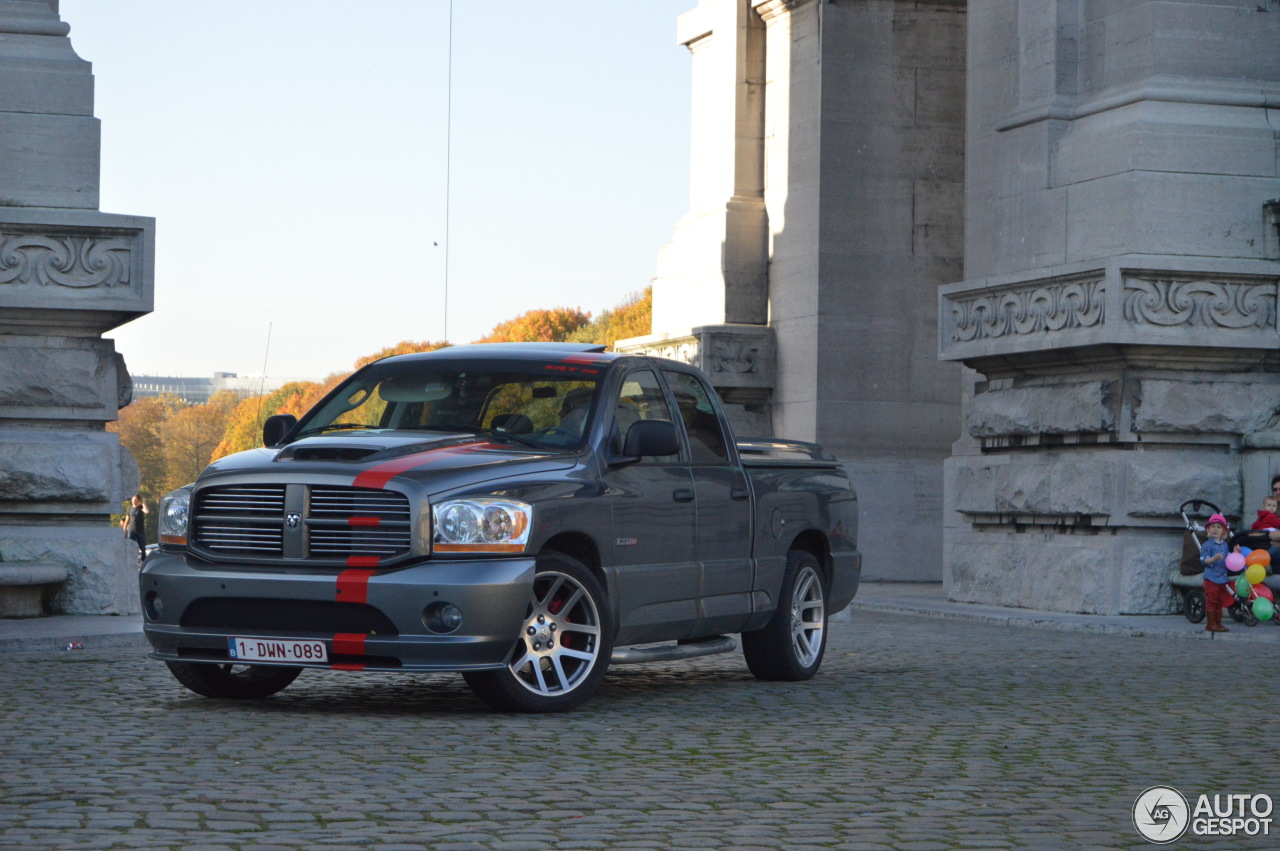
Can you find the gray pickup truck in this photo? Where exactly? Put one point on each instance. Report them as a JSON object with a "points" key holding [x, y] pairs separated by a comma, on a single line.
{"points": [[525, 514]]}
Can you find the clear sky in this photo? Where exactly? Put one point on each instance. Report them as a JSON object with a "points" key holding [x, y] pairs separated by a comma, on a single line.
{"points": [[293, 153]]}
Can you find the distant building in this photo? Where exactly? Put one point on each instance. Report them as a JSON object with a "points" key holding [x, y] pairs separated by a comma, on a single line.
{"points": [[196, 391]]}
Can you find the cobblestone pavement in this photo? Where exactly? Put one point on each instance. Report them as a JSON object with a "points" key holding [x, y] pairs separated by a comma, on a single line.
{"points": [[919, 733]]}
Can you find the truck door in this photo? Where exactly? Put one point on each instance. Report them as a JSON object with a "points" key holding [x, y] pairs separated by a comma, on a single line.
{"points": [[722, 541], [654, 524]]}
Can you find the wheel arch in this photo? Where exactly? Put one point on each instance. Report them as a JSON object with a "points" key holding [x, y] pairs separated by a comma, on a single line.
{"points": [[580, 546], [815, 543]]}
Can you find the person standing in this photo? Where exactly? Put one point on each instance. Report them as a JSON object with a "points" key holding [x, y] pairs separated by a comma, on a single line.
{"points": [[135, 524], [1213, 555]]}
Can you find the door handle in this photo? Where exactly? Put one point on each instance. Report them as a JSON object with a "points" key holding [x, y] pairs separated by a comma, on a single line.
{"points": [[738, 493], [682, 495]]}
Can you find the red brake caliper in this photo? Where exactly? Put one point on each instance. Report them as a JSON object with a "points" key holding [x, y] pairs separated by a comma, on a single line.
{"points": [[554, 607]]}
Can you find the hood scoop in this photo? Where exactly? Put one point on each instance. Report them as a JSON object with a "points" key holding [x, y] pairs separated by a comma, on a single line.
{"points": [[327, 453]]}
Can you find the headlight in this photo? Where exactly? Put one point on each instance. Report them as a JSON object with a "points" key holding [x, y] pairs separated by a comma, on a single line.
{"points": [[481, 525], [175, 510]]}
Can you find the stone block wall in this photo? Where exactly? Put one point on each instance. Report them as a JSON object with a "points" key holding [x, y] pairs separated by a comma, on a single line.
{"points": [[1119, 300], [68, 273]]}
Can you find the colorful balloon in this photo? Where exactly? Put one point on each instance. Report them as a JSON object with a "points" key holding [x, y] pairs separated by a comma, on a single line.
{"points": [[1235, 562], [1263, 609], [1261, 557], [1243, 587], [1255, 573], [1263, 591]]}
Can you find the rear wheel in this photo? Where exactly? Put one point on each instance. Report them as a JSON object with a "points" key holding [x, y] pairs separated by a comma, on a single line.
{"points": [[237, 682], [563, 647], [790, 646]]}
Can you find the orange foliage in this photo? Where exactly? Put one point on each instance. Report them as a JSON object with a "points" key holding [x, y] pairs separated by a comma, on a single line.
{"points": [[539, 326], [632, 318], [404, 347]]}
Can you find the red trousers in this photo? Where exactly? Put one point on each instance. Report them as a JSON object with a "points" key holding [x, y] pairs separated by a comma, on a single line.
{"points": [[1216, 596]]}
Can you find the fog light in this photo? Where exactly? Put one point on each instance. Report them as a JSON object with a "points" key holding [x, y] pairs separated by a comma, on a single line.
{"points": [[154, 606], [442, 618]]}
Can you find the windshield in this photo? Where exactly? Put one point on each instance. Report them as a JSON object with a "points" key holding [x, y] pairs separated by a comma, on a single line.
{"points": [[530, 403]]}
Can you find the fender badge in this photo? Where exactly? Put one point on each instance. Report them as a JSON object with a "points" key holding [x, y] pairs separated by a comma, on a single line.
{"points": [[628, 542]]}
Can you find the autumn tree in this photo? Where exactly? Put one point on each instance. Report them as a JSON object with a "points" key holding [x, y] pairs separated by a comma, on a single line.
{"points": [[404, 347], [632, 318], [539, 326], [139, 425], [190, 436]]}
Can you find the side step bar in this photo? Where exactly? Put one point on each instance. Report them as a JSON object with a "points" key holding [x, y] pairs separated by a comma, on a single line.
{"points": [[672, 652]]}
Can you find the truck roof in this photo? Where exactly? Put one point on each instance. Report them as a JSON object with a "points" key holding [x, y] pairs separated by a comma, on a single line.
{"points": [[507, 351]]}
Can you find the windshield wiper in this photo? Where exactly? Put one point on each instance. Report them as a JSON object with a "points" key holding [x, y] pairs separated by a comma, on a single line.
{"points": [[332, 427], [474, 429]]}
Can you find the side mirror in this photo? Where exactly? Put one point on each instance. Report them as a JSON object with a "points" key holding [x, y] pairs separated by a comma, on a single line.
{"points": [[652, 437], [275, 428]]}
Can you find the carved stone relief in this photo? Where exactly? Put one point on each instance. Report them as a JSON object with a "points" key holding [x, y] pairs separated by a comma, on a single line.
{"points": [[1170, 302], [66, 261], [1042, 308]]}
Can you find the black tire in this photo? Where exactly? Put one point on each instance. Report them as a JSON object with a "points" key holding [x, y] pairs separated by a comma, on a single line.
{"points": [[1193, 605], [563, 648], [791, 645], [1237, 612], [236, 682], [1248, 618]]}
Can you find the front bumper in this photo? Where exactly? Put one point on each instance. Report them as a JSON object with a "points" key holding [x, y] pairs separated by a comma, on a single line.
{"points": [[369, 620]]}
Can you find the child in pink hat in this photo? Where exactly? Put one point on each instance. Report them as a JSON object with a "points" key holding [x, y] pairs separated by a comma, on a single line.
{"points": [[1213, 555]]}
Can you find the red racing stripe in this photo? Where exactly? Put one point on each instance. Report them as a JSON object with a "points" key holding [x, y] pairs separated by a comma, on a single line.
{"points": [[364, 521], [362, 561], [346, 666], [353, 586], [349, 644], [378, 476]]}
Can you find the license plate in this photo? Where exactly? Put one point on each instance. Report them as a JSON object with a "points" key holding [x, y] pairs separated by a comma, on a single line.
{"points": [[276, 650]]}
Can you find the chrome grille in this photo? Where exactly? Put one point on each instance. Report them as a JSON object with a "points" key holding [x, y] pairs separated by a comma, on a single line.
{"points": [[244, 499], [242, 520], [249, 522], [358, 541], [359, 502]]}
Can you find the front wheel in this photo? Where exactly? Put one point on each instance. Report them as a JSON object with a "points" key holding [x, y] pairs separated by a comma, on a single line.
{"points": [[237, 682], [790, 646], [563, 647]]}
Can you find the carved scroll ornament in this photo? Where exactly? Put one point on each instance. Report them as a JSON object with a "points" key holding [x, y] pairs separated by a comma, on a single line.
{"points": [[735, 356], [65, 261], [1199, 304], [1043, 308]]}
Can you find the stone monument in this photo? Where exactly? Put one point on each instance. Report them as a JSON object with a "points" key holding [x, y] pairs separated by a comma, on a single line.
{"points": [[1119, 294], [68, 273], [825, 210]]}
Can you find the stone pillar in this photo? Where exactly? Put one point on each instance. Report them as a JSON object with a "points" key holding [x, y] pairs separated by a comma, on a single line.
{"points": [[714, 268], [864, 116], [68, 273], [1119, 293], [859, 156]]}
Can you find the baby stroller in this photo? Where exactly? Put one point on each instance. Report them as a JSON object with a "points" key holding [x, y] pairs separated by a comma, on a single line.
{"points": [[1188, 581]]}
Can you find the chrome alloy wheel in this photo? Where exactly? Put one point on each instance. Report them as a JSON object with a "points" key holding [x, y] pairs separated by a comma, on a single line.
{"points": [[560, 640], [807, 617]]}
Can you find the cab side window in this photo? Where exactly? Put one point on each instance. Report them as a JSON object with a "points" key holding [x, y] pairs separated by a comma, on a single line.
{"points": [[641, 398], [707, 444]]}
